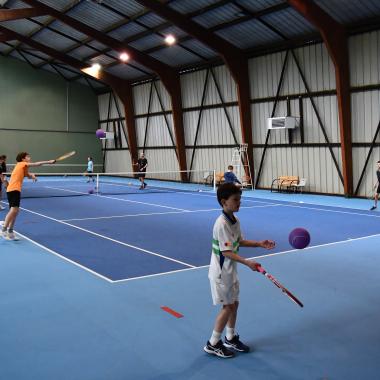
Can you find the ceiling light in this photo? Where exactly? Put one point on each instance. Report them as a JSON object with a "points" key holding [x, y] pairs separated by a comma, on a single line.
{"points": [[96, 66], [124, 57], [170, 39]]}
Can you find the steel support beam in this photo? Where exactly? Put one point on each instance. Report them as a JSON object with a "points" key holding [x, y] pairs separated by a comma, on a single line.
{"points": [[335, 38], [168, 75], [121, 87], [16, 14], [233, 57]]}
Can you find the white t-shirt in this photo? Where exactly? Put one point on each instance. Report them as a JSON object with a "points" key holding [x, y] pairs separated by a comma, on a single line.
{"points": [[226, 237], [90, 166]]}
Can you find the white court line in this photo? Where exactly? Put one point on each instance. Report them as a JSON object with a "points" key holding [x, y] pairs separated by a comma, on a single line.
{"points": [[250, 258], [110, 239], [119, 199], [336, 211], [157, 213]]}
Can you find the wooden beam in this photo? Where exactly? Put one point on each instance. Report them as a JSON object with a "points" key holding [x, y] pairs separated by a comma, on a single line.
{"points": [[4, 38], [165, 72], [335, 38], [121, 87], [16, 14], [234, 58]]}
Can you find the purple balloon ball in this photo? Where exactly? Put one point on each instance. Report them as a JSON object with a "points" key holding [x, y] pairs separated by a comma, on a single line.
{"points": [[100, 133], [299, 238]]}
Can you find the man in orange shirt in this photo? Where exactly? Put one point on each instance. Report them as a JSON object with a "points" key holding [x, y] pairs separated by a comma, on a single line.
{"points": [[14, 190]]}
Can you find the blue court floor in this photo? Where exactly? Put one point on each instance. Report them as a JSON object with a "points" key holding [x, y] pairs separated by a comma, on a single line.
{"points": [[81, 293]]}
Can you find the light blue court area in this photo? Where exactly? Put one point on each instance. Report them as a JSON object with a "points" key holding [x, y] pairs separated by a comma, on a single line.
{"points": [[81, 293]]}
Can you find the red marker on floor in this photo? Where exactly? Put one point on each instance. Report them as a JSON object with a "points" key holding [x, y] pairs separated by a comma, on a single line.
{"points": [[171, 311]]}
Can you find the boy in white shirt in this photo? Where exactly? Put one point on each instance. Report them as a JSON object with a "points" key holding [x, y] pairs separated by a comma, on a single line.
{"points": [[222, 274]]}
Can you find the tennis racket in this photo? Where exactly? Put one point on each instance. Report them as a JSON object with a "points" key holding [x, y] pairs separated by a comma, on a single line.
{"points": [[284, 290], [66, 155]]}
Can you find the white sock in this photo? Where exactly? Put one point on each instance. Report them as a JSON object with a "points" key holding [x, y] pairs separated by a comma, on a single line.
{"points": [[215, 337], [230, 333]]}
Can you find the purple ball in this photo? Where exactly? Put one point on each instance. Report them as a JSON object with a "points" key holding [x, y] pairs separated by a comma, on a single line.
{"points": [[299, 238], [100, 133]]}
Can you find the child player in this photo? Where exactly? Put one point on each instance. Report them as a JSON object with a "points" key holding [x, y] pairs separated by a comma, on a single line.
{"points": [[14, 190], [223, 277]]}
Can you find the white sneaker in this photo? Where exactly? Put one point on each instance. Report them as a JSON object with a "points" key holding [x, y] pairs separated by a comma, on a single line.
{"points": [[12, 236], [2, 207], [4, 234]]}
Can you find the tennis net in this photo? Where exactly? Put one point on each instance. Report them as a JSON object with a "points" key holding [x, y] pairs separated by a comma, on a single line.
{"points": [[79, 184]]}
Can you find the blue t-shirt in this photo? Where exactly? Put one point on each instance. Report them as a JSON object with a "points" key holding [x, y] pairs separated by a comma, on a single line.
{"points": [[230, 177], [90, 166]]}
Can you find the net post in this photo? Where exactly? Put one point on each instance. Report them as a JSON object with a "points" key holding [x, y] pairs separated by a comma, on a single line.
{"points": [[97, 184], [214, 180]]}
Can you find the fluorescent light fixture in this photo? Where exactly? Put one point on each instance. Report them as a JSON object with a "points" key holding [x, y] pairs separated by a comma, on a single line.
{"points": [[170, 39], [96, 66], [93, 70]]}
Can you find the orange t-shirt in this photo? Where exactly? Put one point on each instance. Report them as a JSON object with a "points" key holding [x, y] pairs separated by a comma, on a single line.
{"points": [[19, 172]]}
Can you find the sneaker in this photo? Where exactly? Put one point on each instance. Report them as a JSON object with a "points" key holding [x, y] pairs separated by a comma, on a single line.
{"points": [[219, 350], [373, 207], [236, 344], [4, 234], [12, 236], [2, 207]]}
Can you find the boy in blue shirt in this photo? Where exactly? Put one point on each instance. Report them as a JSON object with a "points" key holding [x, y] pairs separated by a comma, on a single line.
{"points": [[230, 177]]}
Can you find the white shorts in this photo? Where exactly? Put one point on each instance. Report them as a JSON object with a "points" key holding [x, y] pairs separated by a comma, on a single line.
{"points": [[223, 294]]}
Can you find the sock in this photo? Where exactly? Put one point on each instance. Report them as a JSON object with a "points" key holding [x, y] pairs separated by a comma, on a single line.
{"points": [[10, 230], [215, 337], [230, 333], [4, 229]]}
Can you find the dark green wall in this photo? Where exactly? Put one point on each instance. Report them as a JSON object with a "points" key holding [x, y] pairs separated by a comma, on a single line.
{"points": [[46, 116]]}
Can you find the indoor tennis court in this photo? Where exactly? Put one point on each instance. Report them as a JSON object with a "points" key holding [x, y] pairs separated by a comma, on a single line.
{"points": [[121, 121]]}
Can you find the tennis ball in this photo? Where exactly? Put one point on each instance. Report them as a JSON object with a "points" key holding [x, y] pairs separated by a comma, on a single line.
{"points": [[299, 238]]}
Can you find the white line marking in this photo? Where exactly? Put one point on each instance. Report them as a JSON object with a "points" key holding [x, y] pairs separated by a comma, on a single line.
{"points": [[156, 213], [110, 239], [250, 258], [119, 199], [336, 211], [65, 258]]}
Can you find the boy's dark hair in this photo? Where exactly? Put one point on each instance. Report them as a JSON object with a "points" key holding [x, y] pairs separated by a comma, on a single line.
{"points": [[225, 190], [21, 156], [378, 162], [230, 167]]}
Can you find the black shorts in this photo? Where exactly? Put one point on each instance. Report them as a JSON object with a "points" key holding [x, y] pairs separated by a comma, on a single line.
{"points": [[14, 198], [141, 175], [378, 189]]}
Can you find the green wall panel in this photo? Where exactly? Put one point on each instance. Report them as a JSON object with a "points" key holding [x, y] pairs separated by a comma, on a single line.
{"points": [[44, 115]]}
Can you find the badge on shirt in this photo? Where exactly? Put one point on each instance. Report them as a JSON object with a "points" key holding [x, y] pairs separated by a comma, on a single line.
{"points": [[228, 244]]}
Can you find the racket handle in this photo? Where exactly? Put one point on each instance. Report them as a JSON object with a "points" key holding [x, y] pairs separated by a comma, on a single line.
{"points": [[261, 269]]}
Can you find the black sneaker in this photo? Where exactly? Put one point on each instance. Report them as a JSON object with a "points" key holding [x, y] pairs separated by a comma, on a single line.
{"points": [[236, 344], [219, 350], [373, 207]]}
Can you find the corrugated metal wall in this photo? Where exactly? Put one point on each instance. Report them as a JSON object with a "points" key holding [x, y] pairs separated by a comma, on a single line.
{"points": [[365, 70], [215, 141], [111, 112], [214, 131], [314, 163]]}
